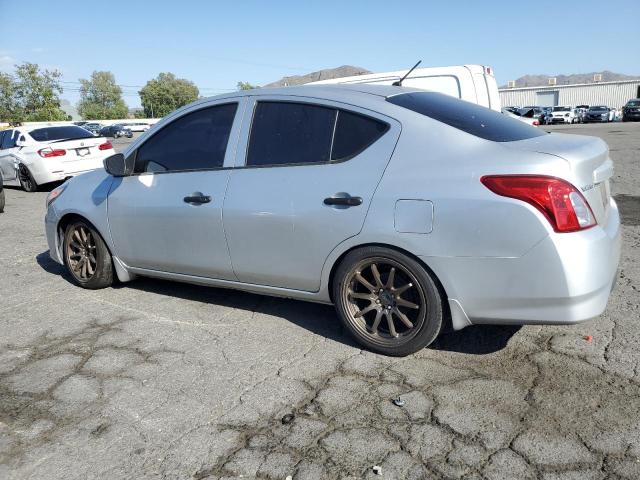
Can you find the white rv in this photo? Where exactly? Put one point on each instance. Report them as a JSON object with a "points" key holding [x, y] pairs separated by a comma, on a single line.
{"points": [[473, 83]]}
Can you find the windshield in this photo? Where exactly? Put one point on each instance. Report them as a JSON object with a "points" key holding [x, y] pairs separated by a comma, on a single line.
{"points": [[561, 109], [598, 109], [634, 103], [59, 133], [466, 116]]}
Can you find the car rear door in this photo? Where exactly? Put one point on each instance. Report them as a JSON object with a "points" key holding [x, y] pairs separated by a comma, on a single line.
{"points": [[167, 216], [305, 174]]}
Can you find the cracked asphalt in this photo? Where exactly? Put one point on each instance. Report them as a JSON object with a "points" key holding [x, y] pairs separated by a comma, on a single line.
{"points": [[154, 379]]}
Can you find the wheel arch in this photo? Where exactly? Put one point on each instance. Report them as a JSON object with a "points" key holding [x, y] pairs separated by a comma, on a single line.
{"points": [[441, 290]]}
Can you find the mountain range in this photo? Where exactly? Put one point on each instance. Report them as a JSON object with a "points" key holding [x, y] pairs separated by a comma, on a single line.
{"points": [[326, 74], [543, 80]]}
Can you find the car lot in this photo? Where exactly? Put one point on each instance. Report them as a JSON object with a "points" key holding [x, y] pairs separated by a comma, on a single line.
{"points": [[156, 379]]}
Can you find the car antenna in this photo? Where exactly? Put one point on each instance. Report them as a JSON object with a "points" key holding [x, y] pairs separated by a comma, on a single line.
{"points": [[399, 82]]}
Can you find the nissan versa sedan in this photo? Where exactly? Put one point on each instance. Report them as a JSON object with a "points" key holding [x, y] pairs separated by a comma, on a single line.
{"points": [[406, 209]]}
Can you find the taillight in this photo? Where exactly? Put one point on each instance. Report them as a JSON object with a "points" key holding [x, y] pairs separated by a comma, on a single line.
{"points": [[51, 152], [105, 146], [536, 123], [558, 200]]}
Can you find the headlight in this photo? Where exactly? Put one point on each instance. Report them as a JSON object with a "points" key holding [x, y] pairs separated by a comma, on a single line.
{"points": [[55, 193], [566, 114]]}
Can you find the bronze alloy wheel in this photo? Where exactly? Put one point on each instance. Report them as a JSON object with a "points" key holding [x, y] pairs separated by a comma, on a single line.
{"points": [[81, 253], [384, 301]]}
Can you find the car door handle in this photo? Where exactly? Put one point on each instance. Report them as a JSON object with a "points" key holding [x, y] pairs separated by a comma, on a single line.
{"points": [[197, 198], [344, 200]]}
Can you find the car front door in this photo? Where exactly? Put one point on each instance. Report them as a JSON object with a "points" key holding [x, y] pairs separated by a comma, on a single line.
{"points": [[167, 216], [306, 173], [7, 155]]}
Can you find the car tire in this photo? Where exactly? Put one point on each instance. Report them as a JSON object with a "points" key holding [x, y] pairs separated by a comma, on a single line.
{"points": [[387, 300], [27, 182], [86, 256]]}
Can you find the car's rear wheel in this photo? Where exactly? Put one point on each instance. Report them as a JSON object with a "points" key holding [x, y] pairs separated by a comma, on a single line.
{"points": [[27, 182], [86, 256], [387, 301]]}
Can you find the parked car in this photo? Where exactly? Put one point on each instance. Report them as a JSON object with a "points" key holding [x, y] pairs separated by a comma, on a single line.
{"points": [[563, 114], [115, 131], [1, 195], [546, 116], [93, 127], [598, 113], [516, 116], [81, 123], [33, 156], [136, 126], [533, 113], [330, 194], [631, 111]]}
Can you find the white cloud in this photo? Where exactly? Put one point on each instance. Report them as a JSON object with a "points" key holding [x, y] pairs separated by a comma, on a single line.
{"points": [[6, 62]]}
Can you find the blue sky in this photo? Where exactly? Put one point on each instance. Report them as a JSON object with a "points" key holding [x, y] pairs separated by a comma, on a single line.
{"points": [[217, 44]]}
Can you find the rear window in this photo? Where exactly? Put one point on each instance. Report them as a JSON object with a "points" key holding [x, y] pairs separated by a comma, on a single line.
{"points": [[470, 118], [59, 133]]}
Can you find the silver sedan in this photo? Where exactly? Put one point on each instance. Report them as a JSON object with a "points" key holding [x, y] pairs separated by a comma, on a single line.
{"points": [[408, 210]]}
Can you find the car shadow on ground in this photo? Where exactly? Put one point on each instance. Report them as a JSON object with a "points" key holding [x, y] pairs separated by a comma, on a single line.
{"points": [[317, 318]]}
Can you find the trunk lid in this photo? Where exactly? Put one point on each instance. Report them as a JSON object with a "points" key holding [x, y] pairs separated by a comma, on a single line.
{"points": [[82, 153], [588, 158]]}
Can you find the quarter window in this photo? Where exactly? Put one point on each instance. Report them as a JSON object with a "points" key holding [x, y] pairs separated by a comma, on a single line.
{"points": [[354, 133], [287, 133], [196, 141]]}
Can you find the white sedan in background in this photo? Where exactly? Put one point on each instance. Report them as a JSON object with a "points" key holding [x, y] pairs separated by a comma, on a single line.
{"points": [[136, 126], [33, 156]]}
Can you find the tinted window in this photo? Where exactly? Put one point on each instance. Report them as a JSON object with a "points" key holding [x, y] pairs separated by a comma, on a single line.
{"points": [[1, 137], [59, 133], [286, 133], [468, 117], [195, 141], [8, 141], [354, 133]]}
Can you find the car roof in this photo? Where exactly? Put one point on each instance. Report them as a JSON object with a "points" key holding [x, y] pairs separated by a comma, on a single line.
{"points": [[328, 91]]}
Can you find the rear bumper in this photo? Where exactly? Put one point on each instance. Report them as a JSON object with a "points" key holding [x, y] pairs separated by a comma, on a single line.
{"points": [[60, 171], [564, 279]]}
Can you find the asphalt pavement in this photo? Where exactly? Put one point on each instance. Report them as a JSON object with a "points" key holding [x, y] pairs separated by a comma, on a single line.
{"points": [[153, 379]]}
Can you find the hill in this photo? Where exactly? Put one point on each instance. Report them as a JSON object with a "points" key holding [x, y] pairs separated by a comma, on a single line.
{"points": [[543, 80], [326, 74]]}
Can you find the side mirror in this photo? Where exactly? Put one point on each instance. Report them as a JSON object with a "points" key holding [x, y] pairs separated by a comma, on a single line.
{"points": [[115, 165]]}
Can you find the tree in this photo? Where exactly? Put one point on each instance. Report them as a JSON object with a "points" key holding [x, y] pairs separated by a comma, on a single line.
{"points": [[101, 98], [246, 86], [162, 95], [37, 94], [9, 111]]}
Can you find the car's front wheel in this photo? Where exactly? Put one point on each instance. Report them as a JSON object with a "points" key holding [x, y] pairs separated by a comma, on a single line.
{"points": [[387, 300], [86, 256], [27, 181]]}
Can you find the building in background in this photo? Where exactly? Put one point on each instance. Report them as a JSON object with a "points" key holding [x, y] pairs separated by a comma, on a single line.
{"points": [[612, 94]]}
